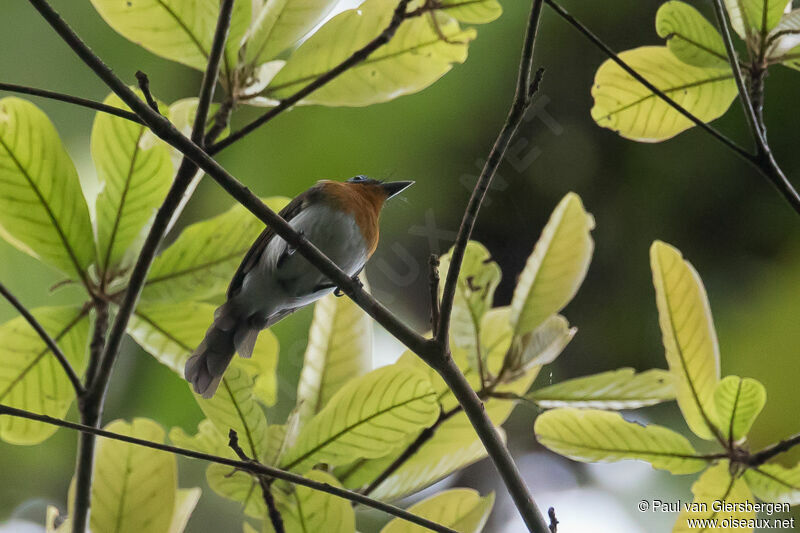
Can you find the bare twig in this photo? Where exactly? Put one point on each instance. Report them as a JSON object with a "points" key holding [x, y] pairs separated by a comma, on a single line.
{"points": [[144, 85], [763, 161], [48, 340], [357, 57], [246, 466], [551, 514], [98, 340], [264, 481], [76, 100], [433, 265], [759, 458]]}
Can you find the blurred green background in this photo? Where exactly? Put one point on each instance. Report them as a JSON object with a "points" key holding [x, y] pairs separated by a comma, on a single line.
{"points": [[689, 191]]}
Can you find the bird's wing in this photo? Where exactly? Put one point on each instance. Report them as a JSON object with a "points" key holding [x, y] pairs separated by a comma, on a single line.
{"points": [[254, 253]]}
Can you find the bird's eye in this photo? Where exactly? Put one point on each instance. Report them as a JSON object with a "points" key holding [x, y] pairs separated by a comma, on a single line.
{"points": [[358, 179]]}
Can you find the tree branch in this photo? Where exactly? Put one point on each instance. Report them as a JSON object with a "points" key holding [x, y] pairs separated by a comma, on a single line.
{"points": [[763, 161], [144, 85], [357, 57], [266, 484], [433, 282], [247, 466], [48, 340], [76, 100], [551, 514], [758, 459]]}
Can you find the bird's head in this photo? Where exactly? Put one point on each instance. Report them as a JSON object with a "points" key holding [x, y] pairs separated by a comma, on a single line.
{"points": [[369, 186], [361, 193]]}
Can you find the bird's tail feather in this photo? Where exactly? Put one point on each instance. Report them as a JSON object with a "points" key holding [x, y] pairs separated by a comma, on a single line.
{"points": [[206, 366]]}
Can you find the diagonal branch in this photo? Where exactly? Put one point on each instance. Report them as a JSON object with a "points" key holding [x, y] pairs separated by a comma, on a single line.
{"points": [[252, 467], [76, 100], [759, 458], [357, 57], [265, 482], [763, 161], [48, 340]]}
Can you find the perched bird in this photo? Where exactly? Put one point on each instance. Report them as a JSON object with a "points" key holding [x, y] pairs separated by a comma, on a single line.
{"points": [[339, 218]]}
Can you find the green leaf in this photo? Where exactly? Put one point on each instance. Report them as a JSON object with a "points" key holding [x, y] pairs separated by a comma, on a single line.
{"points": [[690, 36], [208, 439], [738, 402], [180, 30], [280, 24], [414, 59], [472, 11], [170, 332], [556, 268], [202, 260], [185, 502], [616, 389], [690, 340], [339, 349], [136, 171], [785, 37], [306, 509], [461, 509], [714, 486], [775, 483], [626, 106], [42, 209], [754, 17], [234, 406], [589, 435], [135, 487], [31, 377], [477, 281], [540, 346], [368, 417]]}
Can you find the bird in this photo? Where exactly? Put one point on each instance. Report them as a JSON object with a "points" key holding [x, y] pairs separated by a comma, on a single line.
{"points": [[341, 218]]}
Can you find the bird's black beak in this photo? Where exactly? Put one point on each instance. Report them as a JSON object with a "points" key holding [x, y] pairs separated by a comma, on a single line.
{"points": [[393, 188]]}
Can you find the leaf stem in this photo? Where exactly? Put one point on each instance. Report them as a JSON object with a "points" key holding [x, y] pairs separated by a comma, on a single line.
{"points": [[265, 482], [759, 458], [76, 100], [246, 466], [48, 340]]}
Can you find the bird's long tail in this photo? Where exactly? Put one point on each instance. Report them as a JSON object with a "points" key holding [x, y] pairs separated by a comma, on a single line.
{"points": [[205, 368]]}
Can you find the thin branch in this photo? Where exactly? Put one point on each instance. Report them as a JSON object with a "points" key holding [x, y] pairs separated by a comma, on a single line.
{"points": [[247, 466], [98, 340], [763, 161], [758, 459], [433, 282], [76, 100], [586, 32], [144, 85], [266, 484], [48, 340], [357, 57], [211, 74]]}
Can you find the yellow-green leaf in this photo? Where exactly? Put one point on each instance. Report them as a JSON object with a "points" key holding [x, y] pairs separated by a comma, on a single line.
{"points": [[775, 483], [714, 486], [556, 268], [170, 332], [202, 260], [689, 337], [616, 389], [305, 510], [785, 37], [280, 24], [540, 346], [461, 509], [368, 417], [414, 59], [135, 171], [134, 487], [754, 17], [180, 30], [339, 349], [690, 36], [477, 281], [30, 376], [208, 439], [472, 11], [589, 435], [185, 502], [626, 106], [738, 402], [42, 208]]}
